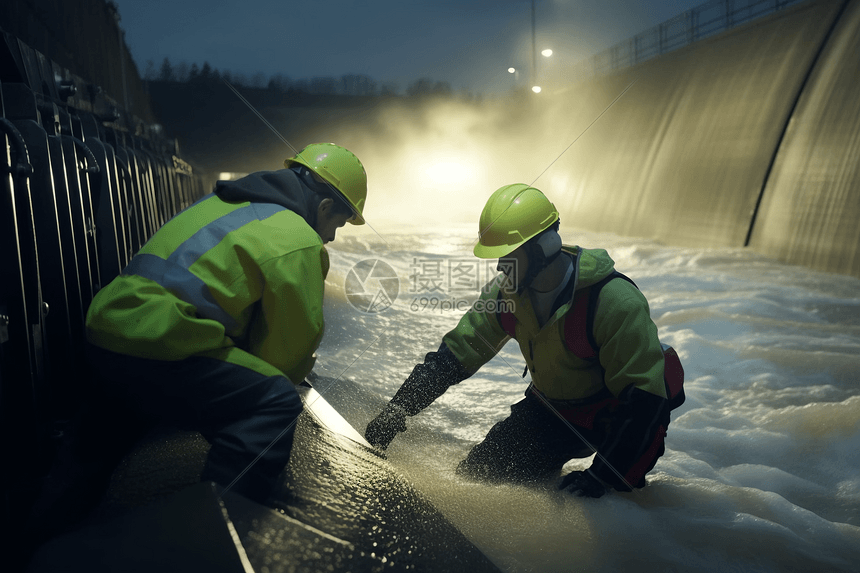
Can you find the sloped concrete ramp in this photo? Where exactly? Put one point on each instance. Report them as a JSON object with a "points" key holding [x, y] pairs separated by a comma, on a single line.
{"points": [[344, 509]]}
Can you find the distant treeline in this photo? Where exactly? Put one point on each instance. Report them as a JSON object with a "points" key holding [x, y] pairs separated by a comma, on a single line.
{"points": [[349, 85]]}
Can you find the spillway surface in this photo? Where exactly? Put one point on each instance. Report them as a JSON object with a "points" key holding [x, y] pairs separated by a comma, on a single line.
{"points": [[342, 508]]}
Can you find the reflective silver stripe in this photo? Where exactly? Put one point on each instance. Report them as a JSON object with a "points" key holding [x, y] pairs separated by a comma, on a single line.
{"points": [[210, 235], [173, 273], [183, 283]]}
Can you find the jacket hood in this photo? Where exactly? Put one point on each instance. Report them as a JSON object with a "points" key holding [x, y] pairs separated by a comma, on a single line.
{"points": [[283, 187], [594, 265]]}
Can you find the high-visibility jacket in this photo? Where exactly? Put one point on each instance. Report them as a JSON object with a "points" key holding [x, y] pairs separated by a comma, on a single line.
{"points": [[630, 351], [230, 278], [625, 387]]}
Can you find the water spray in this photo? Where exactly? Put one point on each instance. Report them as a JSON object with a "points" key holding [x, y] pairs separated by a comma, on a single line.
{"points": [[624, 91]]}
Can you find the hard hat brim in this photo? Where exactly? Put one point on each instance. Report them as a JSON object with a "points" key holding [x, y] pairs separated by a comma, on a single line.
{"points": [[494, 252], [358, 218]]}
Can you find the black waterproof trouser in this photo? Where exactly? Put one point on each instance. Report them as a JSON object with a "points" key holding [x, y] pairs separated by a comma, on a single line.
{"points": [[248, 418], [532, 444]]}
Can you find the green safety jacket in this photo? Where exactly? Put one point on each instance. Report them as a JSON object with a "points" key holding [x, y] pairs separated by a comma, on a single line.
{"points": [[630, 351], [624, 387], [238, 276]]}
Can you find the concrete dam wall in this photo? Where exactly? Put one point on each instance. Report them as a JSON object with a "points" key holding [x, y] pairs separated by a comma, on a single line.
{"points": [[749, 138], [811, 205]]}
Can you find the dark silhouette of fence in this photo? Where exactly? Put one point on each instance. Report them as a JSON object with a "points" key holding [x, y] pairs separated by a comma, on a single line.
{"points": [[85, 183]]}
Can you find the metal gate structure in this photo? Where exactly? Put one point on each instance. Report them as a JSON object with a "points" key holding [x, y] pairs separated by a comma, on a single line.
{"points": [[84, 185]]}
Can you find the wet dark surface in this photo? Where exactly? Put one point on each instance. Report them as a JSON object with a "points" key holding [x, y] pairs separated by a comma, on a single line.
{"points": [[342, 508]]}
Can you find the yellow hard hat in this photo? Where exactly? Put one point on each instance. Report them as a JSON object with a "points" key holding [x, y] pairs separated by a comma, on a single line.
{"points": [[513, 215], [340, 168]]}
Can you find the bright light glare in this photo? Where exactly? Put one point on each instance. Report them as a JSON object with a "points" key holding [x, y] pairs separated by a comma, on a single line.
{"points": [[511, 70], [230, 176], [546, 53], [536, 89], [443, 171]]}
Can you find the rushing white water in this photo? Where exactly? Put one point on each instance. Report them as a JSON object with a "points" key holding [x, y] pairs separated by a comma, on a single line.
{"points": [[761, 471]]}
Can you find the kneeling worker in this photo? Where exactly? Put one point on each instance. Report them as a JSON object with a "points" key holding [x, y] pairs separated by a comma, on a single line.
{"points": [[596, 363], [219, 314]]}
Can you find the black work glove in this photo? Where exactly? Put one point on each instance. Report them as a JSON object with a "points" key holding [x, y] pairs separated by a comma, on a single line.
{"points": [[582, 484], [382, 429]]}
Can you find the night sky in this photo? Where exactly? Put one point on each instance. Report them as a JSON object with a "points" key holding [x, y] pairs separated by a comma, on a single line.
{"points": [[468, 43]]}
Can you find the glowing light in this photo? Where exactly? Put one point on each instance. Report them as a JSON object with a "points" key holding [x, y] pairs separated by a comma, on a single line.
{"points": [[230, 176], [536, 89], [512, 70], [546, 53], [446, 171]]}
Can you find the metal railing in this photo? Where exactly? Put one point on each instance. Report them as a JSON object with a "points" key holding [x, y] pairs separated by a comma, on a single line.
{"points": [[691, 26], [83, 184]]}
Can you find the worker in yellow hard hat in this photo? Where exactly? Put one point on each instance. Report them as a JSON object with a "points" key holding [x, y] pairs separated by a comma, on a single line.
{"points": [[219, 314], [601, 382]]}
